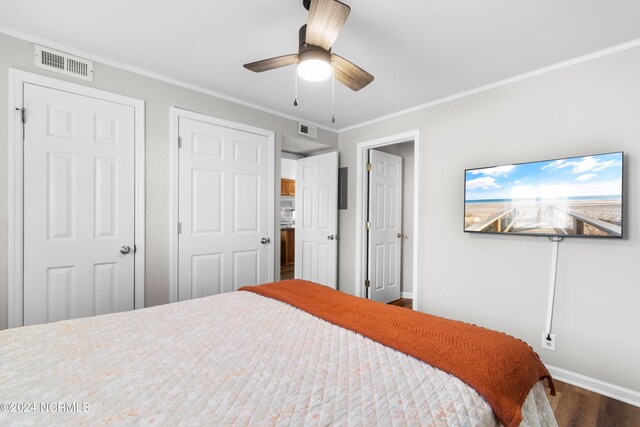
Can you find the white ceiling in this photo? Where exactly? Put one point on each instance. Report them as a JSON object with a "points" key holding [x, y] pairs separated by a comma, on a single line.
{"points": [[418, 50]]}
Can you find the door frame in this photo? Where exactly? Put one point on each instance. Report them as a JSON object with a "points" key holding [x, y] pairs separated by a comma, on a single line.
{"points": [[361, 205], [175, 114], [17, 80]]}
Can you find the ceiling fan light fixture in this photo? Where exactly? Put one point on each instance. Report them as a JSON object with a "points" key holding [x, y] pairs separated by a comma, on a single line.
{"points": [[314, 65]]}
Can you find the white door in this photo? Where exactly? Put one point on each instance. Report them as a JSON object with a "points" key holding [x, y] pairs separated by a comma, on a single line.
{"points": [[316, 255], [78, 206], [224, 209], [385, 233]]}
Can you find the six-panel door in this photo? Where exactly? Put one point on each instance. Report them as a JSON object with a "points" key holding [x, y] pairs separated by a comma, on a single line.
{"points": [[316, 252], [78, 206], [223, 209], [385, 234]]}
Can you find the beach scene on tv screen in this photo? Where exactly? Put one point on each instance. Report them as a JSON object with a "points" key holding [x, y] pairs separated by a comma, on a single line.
{"points": [[579, 196]]}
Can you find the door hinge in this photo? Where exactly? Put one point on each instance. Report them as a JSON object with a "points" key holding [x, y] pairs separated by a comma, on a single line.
{"points": [[179, 228], [179, 142], [367, 225], [23, 114], [367, 283], [369, 166]]}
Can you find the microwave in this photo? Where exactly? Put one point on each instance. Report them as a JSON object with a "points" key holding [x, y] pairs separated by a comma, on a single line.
{"points": [[287, 203]]}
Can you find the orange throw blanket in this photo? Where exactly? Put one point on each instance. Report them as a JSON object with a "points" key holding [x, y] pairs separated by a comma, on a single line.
{"points": [[500, 368]]}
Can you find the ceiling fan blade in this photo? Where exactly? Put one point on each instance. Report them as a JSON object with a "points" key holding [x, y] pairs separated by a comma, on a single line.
{"points": [[271, 63], [326, 19], [349, 74]]}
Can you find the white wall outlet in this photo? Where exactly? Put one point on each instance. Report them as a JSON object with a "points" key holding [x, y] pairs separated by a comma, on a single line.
{"points": [[549, 341]]}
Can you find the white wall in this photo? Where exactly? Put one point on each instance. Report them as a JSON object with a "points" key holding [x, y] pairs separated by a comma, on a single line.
{"points": [[159, 97], [501, 282], [405, 150], [288, 168]]}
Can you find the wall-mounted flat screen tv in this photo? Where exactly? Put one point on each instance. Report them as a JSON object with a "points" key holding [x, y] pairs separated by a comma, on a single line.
{"points": [[574, 196]]}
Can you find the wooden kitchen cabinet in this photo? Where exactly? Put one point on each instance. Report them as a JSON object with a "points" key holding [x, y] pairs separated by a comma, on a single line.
{"points": [[287, 246], [287, 187]]}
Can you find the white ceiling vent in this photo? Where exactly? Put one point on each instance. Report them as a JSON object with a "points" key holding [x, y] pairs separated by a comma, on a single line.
{"points": [[307, 130], [63, 63]]}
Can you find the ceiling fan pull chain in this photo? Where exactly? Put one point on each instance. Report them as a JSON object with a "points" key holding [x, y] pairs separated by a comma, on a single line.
{"points": [[333, 94], [295, 100]]}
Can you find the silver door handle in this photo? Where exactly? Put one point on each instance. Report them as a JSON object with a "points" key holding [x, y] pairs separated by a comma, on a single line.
{"points": [[125, 249], [265, 240], [331, 237], [400, 235]]}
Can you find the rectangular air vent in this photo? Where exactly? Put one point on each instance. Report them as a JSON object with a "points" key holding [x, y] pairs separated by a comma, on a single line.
{"points": [[307, 130], [63, 63]]}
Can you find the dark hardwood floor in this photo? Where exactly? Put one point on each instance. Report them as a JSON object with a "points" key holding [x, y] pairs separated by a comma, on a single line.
{"points": [[286, 272], [577, 407], [403, 302]]}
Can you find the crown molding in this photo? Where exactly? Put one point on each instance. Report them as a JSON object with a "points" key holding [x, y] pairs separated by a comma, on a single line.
{"points": [[524, 76]]}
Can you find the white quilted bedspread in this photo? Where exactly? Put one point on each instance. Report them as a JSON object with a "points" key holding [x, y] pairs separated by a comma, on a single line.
{"points": [[231, 359]]}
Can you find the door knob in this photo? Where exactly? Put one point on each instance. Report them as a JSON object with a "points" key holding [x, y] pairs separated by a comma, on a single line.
{"points": [[125, 249], [265, 240], [331, 237], [400, 235]]}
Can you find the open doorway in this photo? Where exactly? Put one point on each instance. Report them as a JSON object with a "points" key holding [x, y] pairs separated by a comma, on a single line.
{"points": [[308, 211], [288, 171], [387, 204], [392, 226]]}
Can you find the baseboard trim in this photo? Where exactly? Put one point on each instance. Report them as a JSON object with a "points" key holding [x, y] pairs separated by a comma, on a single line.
{"points": [[613, 391], [408, 295]]}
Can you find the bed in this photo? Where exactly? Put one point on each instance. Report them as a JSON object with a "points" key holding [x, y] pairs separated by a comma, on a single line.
{"points": [[238, 358]]}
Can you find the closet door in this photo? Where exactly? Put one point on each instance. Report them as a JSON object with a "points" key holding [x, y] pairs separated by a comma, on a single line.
{"points": [[224, 209], [78, 206]]}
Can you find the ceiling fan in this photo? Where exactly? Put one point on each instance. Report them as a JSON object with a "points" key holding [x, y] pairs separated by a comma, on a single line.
{"points": [[314, 58]]}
